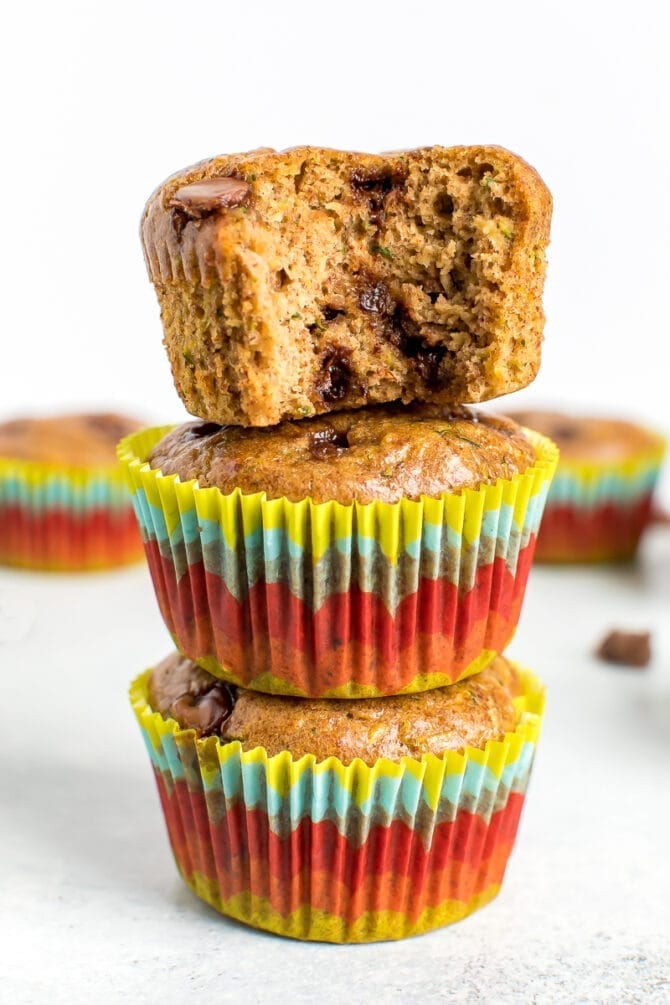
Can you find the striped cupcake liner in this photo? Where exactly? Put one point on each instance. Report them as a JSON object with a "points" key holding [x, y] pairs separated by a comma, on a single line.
{"points": [[597, 512], [324, 851], [65, 518], [327, 600]]}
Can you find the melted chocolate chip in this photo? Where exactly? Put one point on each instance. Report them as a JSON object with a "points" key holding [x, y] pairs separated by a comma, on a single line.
{"points": [[566, 431], [403, 333], [427, 364], [335, 375], [206, 712], [211, 195], [204, 429], [112, 427], [327, 442], [376, 298], [374, 187]]}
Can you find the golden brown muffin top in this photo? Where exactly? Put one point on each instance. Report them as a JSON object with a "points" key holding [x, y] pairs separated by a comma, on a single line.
{"points": [[448, 718], [378, 453], [66, 439], [589, 438]]}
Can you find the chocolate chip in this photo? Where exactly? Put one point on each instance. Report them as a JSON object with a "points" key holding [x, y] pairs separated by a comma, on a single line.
{"points": [[327, 442], [200, 429], [111, 426], [404, 334], [402, 331], [206, 712], [376, 298], [374, 187], [566, 431], [202, 198], [626, 648], [335, 375], [427, 363]]}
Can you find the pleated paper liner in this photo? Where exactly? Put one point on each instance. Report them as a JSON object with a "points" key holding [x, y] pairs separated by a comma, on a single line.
{"points": [[598, 511], [67, 518], [327, 600], [324, 851]]}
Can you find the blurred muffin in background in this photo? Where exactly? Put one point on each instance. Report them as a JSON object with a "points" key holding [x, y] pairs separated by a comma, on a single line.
{"points": [[601, 499], [63, 500]]}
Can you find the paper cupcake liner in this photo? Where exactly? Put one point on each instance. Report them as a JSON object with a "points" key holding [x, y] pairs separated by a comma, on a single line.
{"points": [[324, 851], [597, 512], [56, 517], [327, 600]]}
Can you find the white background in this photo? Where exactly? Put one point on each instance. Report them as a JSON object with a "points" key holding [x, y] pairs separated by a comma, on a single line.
{"points": [[101, 102]]}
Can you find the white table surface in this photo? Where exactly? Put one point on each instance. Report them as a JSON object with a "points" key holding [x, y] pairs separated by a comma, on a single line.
{"points": [[92, 908]]}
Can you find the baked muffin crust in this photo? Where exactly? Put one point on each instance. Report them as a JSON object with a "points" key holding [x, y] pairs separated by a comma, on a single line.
{"points": [[311, 280], [66, 439], [468, 713], [589, 438], [382, 452]]}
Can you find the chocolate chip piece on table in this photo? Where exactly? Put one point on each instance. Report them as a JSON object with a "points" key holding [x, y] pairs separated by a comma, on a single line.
{"points": [[202, 198], [631, 649]]}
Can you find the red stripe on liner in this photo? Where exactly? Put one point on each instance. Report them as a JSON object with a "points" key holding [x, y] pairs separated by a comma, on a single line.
{"points": [[576, 533], [315, 864], [351, 637]]}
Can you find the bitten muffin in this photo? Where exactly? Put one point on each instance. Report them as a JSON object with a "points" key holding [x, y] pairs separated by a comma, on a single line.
{"points": [[391, 557], [63, 502], [449, 718], [382, 453], [311, 280], [601, 499], [341, 848]]}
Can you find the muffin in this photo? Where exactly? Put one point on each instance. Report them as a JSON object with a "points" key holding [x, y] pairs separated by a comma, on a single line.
{"points": [[306, 281], [601, 499], [372, 552], [63, 501], [375, 819]]}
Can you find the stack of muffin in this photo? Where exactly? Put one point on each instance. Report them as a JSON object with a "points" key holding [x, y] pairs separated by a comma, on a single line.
{"points": [[339, 547]]}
